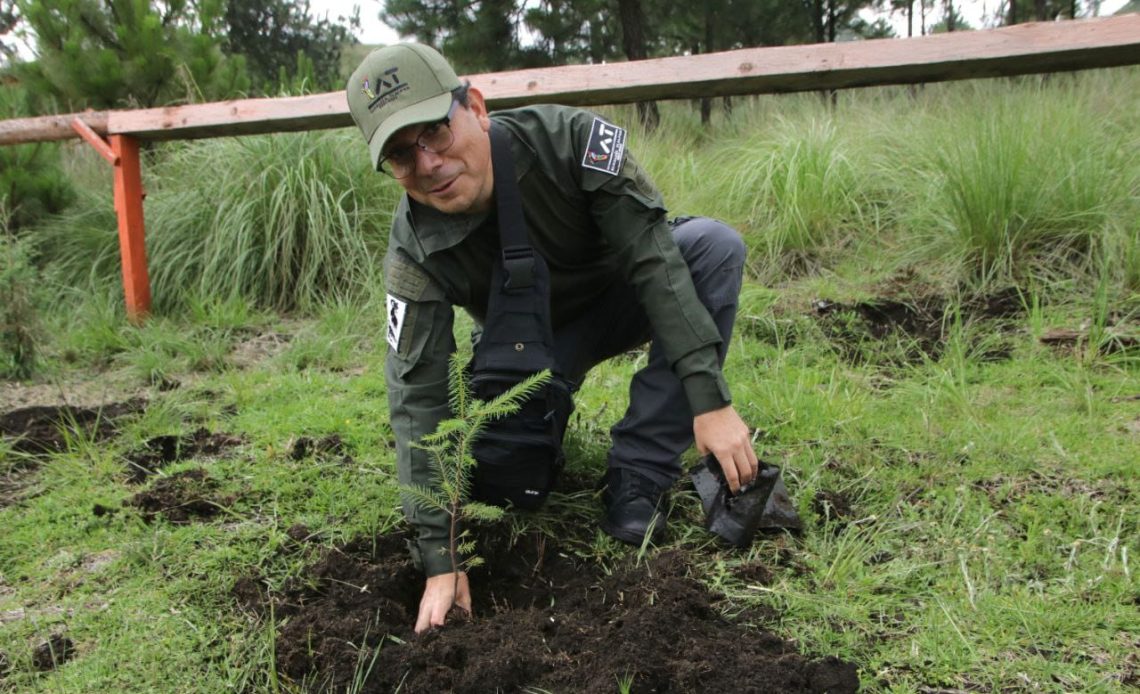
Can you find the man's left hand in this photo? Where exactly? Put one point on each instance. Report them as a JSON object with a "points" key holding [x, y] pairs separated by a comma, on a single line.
{"points": [[724, 434]]}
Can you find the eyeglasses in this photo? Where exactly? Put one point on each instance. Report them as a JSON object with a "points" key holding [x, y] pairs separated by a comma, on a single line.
{"points": [[400, 162]]}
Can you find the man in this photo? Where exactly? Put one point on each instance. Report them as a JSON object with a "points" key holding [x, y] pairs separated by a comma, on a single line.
{"points": [[620, 275]]}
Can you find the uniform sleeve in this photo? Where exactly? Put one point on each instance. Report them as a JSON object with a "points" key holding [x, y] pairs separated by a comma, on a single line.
{"points": [[420, 342], [630, 212]]}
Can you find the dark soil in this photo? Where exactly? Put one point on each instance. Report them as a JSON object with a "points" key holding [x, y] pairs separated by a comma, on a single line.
{"points": [[181, 498], [52, 653], [829, 505], [832, 508], [160, 451], [41, 430], [543, 619], [755, 572], [326, 447], [912, 329]]}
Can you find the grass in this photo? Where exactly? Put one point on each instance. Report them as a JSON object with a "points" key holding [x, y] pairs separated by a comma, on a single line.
{"points": [[972, 522], [20, 316], [283, 223]]}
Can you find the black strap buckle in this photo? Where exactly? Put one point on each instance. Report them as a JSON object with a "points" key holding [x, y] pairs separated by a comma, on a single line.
{"points": [[519, 264]]}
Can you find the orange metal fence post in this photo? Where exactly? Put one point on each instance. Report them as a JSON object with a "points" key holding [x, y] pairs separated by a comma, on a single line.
{"points": [[129, 207]]}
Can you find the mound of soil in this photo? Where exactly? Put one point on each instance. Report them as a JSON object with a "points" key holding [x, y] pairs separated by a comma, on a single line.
{"points": [[543, 619], [160, 451], [41, 429], [52, 653], [181, 498]]}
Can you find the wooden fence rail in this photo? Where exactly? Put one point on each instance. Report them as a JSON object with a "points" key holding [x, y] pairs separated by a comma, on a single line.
{"points": [[1016, 50]]}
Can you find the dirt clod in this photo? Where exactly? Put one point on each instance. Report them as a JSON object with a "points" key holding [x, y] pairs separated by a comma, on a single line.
{"points": [[52, 653], [832, 505], [299, 532], [99, 510], [46, 429], [160, 451], [755, 572], [181, 498], [327, 446]]}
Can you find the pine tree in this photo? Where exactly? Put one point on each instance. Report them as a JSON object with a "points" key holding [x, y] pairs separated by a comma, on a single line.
{"points": [[453, 464], [285, 46], [129, 53]]}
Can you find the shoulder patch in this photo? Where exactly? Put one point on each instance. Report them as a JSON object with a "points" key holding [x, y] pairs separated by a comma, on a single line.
{"points": [[605, 148], [408, 280], [397, 309]]}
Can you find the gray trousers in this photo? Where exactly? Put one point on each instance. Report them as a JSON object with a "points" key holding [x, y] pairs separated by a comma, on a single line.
{"points": [[658, 424]]}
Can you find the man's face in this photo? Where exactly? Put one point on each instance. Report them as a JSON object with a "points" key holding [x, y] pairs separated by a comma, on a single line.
{"points": [[459, 179]]}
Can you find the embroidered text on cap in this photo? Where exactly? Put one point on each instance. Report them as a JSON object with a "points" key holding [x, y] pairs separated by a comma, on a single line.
{"points": [[390, 84]]}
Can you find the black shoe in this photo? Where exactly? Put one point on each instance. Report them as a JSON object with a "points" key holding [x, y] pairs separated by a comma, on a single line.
{"points": [[635, 506]]}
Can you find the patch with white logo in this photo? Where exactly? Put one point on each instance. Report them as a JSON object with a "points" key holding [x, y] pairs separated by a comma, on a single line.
{"points": [[397, 309], [605, 149]]}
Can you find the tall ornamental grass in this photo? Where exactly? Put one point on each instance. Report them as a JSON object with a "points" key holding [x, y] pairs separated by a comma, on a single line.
{"points": [[788, 181], [1011, 180], [285, 222], [799, 189], [1007, 181]]}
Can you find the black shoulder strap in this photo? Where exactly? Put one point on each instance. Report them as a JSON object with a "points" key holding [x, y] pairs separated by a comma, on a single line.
{"points": [[517, 336], [518, 256]]}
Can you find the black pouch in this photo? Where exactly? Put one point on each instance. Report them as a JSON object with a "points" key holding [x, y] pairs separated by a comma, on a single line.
{"points": [[520, 455]]}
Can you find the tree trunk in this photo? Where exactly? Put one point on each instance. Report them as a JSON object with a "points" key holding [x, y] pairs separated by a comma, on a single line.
{"points": [[1013, 11], [910, 19], [1040, 10], [633, 41], [950, 15], [817, 19]]}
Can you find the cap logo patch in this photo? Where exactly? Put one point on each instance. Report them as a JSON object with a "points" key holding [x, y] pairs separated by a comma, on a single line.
{"points": [[605, 148], [388, 85]]}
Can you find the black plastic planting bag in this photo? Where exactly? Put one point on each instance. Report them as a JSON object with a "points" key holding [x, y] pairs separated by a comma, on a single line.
{"points": [[520, 455]]}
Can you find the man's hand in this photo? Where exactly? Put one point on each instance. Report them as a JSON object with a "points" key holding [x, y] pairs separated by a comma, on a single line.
{"points": [[440, 593], [724, 434]]}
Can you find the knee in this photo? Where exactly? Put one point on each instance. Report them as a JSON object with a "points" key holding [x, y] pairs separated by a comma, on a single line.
{"points": [[710, 242]]}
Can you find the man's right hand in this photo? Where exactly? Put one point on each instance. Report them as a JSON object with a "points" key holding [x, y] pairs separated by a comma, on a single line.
{"points": [[440, 593]]}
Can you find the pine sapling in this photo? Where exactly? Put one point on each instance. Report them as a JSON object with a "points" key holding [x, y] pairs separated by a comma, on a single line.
{"points": [[453, 464]]}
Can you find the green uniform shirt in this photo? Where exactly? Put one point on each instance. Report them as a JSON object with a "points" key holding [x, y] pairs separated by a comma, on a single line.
{"points": [[596, 218]]}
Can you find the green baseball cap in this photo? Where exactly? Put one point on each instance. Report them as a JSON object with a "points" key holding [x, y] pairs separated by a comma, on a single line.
{"points": [[397, 86]]}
